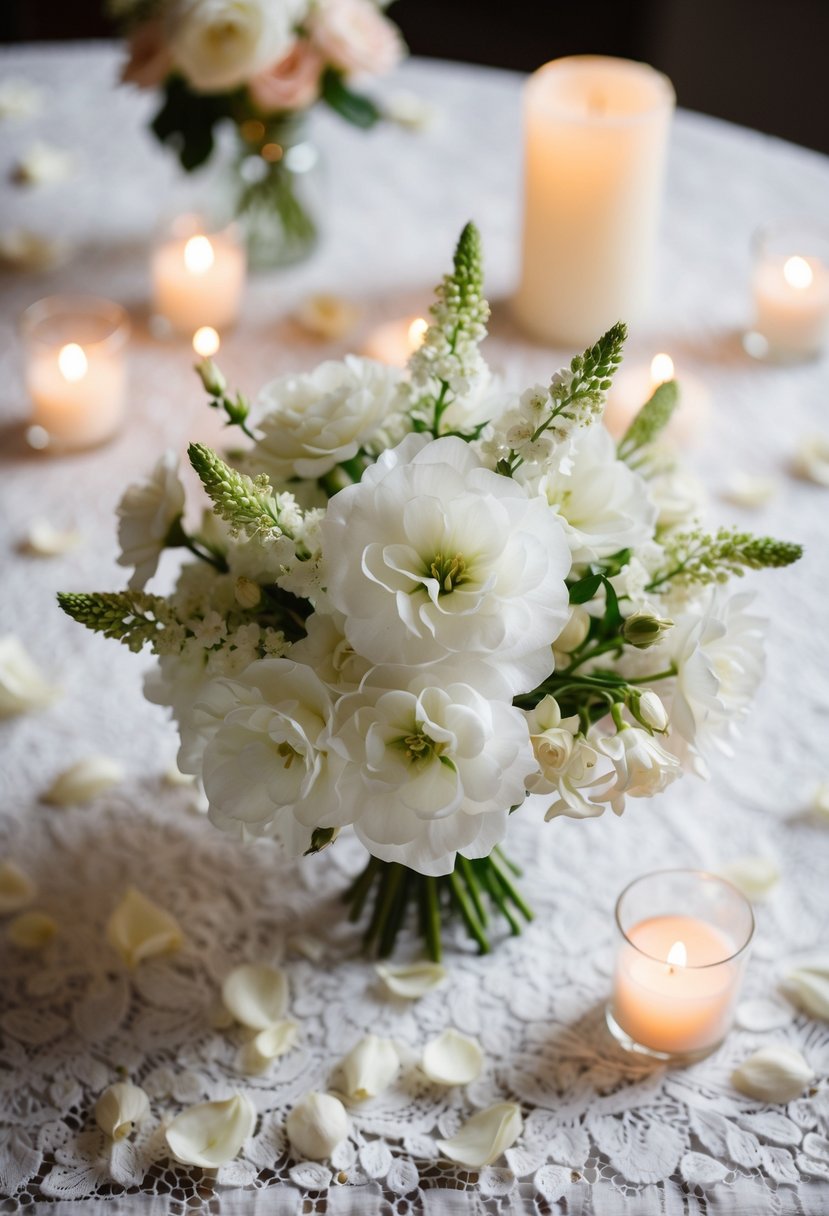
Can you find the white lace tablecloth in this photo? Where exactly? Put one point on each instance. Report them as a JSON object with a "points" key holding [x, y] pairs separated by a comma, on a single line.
{"points": [[603, 1133]]}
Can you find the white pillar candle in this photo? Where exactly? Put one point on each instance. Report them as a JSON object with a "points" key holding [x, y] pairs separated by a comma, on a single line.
{"points": [[633, 386], [77, 387], [395, 341], [198, 280], [791, 300], [595, 132]]}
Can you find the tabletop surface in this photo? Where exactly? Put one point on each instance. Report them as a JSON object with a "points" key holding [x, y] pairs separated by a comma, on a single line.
{"points": [[603, 1133]]}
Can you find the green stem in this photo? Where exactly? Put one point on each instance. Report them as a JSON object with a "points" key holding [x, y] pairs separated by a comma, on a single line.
{"points": [[487, 874], [394, 920], [467, 912], [389, 883], [516, 897], [471, 881], [433, 941], [510, 865], [359, 889]]}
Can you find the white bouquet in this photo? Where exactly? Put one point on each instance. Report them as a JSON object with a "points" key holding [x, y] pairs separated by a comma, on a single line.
{"points": [[418, 598]]}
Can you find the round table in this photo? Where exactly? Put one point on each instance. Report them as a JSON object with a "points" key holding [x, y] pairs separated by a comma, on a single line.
{"points": [[603, 1132]]}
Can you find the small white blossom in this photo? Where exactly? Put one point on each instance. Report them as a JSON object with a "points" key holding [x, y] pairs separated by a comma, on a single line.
{"points": [[146, 514], [643, 768]]}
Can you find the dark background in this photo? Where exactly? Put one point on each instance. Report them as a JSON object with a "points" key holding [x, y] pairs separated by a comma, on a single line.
{"points": [[762, 63]]}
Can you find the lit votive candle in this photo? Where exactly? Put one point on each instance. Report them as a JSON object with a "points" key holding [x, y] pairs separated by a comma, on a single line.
{"points": [[684, 940], [633, 386], [791, 293], [75, 370], [395, 342], [198, 276]]}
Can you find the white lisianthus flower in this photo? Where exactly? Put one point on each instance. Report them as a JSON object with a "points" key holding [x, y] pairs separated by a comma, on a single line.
{"points": [[552, 741], [316, 420], [146, 513], [432, 771], [433, 557], [327, 651], [220, 44], [580, 782], [267, 769], [642, 766], [603, 505]]}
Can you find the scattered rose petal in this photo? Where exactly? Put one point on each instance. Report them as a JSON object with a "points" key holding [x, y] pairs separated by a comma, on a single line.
{"points": [[22, 250], [32, 930], [452, 1059], [257, 1055], [746, 490], [211, 1133], [777, 1073], [256, 995], [754, 876], [369, 1068], [409, 110], [317, 1125], [19, 98], [412, 980], [84, 781], [138, 929], [175, 777], [759, 1015], [120, 1109], [820, 800], [44, 540], [328, 316], [811, 460], [484, 1137], [808, 987], [16, 888], [42, 164], [309, 947], [22, 687]]}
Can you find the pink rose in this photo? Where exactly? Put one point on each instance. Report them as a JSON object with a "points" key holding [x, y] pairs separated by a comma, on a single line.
{"points": [[292, 83], [353, 35], [150, 60]]}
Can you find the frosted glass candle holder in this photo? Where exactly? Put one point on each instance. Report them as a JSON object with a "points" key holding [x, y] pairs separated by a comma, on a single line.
{"points": [[790, 283], [683, 941], [198, 276], [75, 370]]}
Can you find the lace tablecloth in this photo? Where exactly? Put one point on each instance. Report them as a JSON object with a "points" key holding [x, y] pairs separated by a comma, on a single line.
{"points": [[603, 1133]]}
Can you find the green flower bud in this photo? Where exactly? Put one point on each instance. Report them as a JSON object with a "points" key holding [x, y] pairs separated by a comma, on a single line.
{"points": [[648, 709], [210, 376], [643, 629]]}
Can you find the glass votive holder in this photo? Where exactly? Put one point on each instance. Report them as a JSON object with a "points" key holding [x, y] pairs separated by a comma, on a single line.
{"points": [[198, 276], [790, 283], [75, 370], [683, 941]]}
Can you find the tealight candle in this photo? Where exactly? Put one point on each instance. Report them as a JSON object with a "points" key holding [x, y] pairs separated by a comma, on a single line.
{"points": [[633, 386], [791, 293], [75, 372], [595, 134], [395, 341], [684, 943], [198, 277]]}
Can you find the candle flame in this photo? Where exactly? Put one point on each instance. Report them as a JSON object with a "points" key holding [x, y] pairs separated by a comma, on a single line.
{"points": [[206, 341], [72, 362], [198, 255], [417, 332], [662, 369], [678, 955], [798, 273]]}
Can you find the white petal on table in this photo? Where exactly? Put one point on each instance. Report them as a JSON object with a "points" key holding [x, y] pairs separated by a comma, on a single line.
{"points": [[42, 164], [211, 1133], [316, 1125], [369, 1068], [24, 250], [811, 460], [256, 994], [139, 929], [756, 877], [328, 316], [84, 781], [32, 930], [820, 800], [45, 540], [484, 1137], [452, 1058], [120, 1109], [777, 1073], [808, 986], [17, 889], [22, 686], [750, 491], [19, 98], [258, 1054], [411, 980]]}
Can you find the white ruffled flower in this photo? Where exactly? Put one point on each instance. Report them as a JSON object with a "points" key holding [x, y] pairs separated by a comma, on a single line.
{"points": [[553, 740], [321, 418], [431, 771], [643, 768], [146, 514], [327, 651], [267, 770], [221, 44], [603, 505], [580, 783], [432, 557]]}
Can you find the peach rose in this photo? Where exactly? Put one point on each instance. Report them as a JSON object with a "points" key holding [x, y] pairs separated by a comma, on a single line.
{"points": [[353, 35], [150, 60], [292, 83]]}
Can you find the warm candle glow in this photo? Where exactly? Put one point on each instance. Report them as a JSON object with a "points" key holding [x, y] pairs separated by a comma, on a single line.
{"points": [[72, 362], [798, 273], [206, 341], [198, 255], [417, 332], [662, 369], [678, 955]]}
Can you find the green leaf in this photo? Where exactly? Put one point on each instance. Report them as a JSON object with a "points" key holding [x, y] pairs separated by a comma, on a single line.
{"points": [[584, 590], [186, 120], [354, 107]]}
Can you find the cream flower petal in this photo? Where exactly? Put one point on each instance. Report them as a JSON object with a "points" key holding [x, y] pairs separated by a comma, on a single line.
{"points": [[256, 1056], [820, 800], [42, 164], [452, 1058], [84, 781], [22, 687], [777, 1073], [175, 777], [327, 316], [411, 980], [485, 1136], [120, 1109], [16, 888], [811, 460], [211, 1133], [45, 540], [256, 995], [746, 490], [309, 947], [32, 930], [369, 1068], [317, 1125], [754, 876], [139, 929], [808, 986], [21, 249], [19, 98]]}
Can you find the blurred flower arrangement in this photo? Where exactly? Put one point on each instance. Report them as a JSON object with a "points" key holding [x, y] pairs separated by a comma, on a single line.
{"points": [[259, 65], [418, 598]]}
